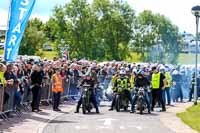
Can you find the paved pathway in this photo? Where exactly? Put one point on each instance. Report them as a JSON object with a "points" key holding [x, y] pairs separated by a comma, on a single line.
{"points": [[49, 121], [108, 122]]}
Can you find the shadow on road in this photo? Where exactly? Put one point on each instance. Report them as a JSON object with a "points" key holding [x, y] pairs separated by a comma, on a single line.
{"points": [[61, 121]]}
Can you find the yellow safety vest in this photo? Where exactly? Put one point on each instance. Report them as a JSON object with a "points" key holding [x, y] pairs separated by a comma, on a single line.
{"points": [[122, 84], [168, 78], [3, 80], [132, 81], [155, 81]]}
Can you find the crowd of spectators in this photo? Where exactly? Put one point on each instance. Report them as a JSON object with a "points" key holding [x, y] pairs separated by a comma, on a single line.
{"points": [[24, 80]]}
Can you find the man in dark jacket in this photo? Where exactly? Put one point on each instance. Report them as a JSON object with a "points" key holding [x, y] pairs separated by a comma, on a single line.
{"points": [[141, 81], [36, 82], [88, 81]]}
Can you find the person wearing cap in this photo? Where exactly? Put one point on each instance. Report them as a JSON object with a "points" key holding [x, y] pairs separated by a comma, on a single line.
{"points": [[88, 80], [158, 83], [57, 89]]}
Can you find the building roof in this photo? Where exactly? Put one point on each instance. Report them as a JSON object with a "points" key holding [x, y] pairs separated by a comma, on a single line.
{"points": [[3, 27]]}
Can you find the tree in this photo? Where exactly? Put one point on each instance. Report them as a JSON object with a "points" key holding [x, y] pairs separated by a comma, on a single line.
{"points": [[33, 38], [101, 30], [114, 27], [154, 32]]}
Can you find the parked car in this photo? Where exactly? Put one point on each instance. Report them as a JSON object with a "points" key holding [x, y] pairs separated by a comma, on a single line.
{"points": [[47, 47]]}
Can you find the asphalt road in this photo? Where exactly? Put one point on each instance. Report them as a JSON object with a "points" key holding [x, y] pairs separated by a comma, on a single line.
{"points": [[107, 122]]}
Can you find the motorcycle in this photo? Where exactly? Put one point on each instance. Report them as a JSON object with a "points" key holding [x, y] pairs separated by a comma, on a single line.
{"points": [[86, 104], [121, 100], [141, 105]]}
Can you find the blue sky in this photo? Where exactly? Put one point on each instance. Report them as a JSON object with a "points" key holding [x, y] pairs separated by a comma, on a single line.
{"points": [[43, 7], [178, 11]]}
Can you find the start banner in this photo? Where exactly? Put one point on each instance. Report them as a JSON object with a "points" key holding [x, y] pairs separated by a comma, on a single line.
{"points": [[20, 11]]}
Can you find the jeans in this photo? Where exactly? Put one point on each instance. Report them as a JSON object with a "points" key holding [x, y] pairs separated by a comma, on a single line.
{"points": [[17, 100], [179, 93], [165, 92]]}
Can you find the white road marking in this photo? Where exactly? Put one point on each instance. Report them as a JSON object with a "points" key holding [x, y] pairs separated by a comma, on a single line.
{"points": [[137, 127], [81, 127], [107, 121], [102, 127], [122, 128]]}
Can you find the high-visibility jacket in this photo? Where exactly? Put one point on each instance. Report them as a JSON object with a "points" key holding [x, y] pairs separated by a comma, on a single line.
{"points": [[2, 78], [114, 78], [132, 81], [155, 81], [122, 84], [57, 83], [168, 78]]}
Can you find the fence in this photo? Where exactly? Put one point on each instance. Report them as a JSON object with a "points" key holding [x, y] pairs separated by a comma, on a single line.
{"points": [[13, 100]]}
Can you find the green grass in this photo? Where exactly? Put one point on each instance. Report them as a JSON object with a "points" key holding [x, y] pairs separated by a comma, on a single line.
{"points": [[191, 117], [46, 54], [188, 59], [49, 54], [134, 57], [1, 52], [183, 58]]}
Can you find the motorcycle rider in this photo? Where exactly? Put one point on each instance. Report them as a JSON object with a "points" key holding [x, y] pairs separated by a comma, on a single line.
{"points": [[88, 80], [141, 81], [123, 82]]}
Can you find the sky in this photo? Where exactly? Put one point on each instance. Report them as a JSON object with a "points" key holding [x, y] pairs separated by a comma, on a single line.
{"points": [[178, 11]]}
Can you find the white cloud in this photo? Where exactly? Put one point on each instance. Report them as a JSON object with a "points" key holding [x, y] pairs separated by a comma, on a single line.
{"points": [[4, 17], [41, 17], [178, 11]]}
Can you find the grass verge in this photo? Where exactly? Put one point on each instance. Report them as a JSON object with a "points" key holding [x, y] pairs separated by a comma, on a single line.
{"points": [[191, 117]]}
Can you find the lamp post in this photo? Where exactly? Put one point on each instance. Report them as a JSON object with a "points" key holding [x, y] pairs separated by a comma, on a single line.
{"points": [[196, 13]]}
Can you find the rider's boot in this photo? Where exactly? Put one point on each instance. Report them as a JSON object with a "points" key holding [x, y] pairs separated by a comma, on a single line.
{"points": [[77, 109], [149, 111]]}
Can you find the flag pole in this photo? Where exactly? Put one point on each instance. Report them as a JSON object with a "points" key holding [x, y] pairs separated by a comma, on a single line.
{"points": [[8, 21]]}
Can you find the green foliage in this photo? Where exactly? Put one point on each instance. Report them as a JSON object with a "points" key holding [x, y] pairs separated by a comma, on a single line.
{"points": [[104, 30], [156, 32], [33, 38], [101, 30]]}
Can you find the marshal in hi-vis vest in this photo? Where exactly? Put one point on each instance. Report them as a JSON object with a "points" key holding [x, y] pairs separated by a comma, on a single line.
{"points": [[155, 81], [57, 85]]}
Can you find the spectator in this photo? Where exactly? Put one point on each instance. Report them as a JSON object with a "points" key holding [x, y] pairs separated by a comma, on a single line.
{"points": [[36, 82]]}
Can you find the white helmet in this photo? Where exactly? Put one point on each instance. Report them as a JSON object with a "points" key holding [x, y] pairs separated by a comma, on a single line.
{"points": [[127, 69], [122, 72]]}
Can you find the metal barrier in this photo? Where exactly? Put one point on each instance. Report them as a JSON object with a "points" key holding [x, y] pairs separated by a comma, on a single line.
{"points": [[71, 89], [2, 115]]}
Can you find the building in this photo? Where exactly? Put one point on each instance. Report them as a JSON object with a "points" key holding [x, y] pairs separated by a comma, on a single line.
{"points": [[3, 30]]}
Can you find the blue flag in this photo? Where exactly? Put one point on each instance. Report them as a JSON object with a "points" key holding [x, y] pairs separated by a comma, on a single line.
{"points": [[20, 11]]}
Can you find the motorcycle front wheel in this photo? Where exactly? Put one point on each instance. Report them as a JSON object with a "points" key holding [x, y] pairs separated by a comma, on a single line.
{"points": [[117, 103]]}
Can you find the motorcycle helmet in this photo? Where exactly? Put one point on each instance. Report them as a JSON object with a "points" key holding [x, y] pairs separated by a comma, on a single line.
{"points": [[122, 72], [140, 73]]}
